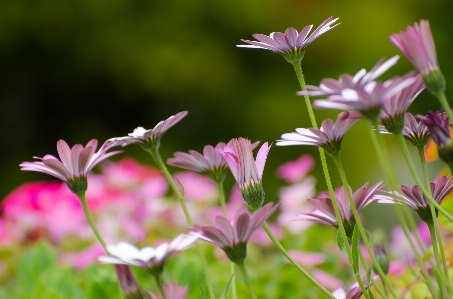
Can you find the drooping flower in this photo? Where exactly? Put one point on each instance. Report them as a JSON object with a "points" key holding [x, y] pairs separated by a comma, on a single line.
{"points": [[438, 125], [210, 161], [393, 110], [417, 44], [324, 211], [290, 44], [329, 87], [75, 163], [232, 237], [367, 99], [148, 258], [247, 172], [150, 138], [416, 132], [329, 136], [173, 291], [128, 284], [413, 197], [381, 256]]}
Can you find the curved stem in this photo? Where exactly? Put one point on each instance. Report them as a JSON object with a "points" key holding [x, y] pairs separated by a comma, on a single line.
{"points": [[219, 184], [444, 102], [246, 278], [158, 159], [295, 264], [300, 77], [360, 225], [90, 220]]}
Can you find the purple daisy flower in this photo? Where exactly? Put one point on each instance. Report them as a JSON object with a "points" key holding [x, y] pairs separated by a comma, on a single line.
{"points": [[329, 136], [290, 44], [413, 197], [416, 132], [325, 213], [392, 112], [417, 44], [247, 171], [438, 126], [232, 237], [75, 164], [151, 137], [128, 284]]}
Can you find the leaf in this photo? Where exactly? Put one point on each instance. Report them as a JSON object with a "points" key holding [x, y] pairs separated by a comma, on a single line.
{"points": [[355, 249], [340, 242], [203, 295], [227, 288]]}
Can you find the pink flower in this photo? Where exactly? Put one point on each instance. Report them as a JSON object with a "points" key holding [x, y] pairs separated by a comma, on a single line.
{"points": [[197, 187], [247, 172], [295, 171], [290, 44], [75, 163], [172, 291], [232, 237], [307, 259]]}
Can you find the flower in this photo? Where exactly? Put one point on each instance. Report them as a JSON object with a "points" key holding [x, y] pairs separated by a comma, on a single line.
{"points": [[417, 44], [392, 113], [232, 237], [173, 291], [330, 86], [75, 163], [290, 44], [438, 126], [150, 138], [414, 198], [211, 161], [354, 292], [296, 171], [381, 256], [128, 284], [324, 212], [367, 99], [416, 132], [148, 258], [247, 172], [329, 136]]}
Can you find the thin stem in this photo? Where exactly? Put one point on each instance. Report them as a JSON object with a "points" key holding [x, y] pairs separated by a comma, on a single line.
{"points": [[219, 184], [159, 286], [432, 232], [295, 264], [90, 220], [383, 293], [360, 225], [443, 101], [300, 77], [158, 159], [246, 278]]}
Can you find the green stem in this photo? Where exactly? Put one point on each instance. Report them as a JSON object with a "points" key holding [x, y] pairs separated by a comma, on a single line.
{"points": [[443, 101], [360, 225], [158, 159], [383, 293], [246, 278], [300, 77], [90, 220], [219, 184], [295, 264], [432, 232], [159, 286]]}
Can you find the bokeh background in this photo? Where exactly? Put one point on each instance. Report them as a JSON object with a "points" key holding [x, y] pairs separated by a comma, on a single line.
{"points": [[86, 69]]}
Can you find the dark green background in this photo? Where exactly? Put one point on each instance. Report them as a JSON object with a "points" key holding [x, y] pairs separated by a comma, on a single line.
{"points": [[87, 69]]}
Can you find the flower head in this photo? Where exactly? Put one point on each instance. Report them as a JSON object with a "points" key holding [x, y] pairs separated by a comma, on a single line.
{"points": [[381, 255], [173, 291], [392, 113], [247, 171], [75, 164], [329, 136], [324, 211], [210, 161], [417, 44], [128, 284], [150, 138], [232, 237], [148, 258], [290, 44], [414, 198], [416, 132]]}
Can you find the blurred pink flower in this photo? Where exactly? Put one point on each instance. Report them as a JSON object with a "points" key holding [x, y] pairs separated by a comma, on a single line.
{"points": [[82, 259], [297, 170], [307, 259], [197, 187], [326, 280], [261, 238], [172, 291]]}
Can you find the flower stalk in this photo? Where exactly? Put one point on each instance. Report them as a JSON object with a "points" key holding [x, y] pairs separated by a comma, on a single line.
{"points": [[83, 201], [246, 278]]}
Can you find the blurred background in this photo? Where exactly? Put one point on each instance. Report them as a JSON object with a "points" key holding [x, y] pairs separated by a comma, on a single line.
{"points": [[84, 69]]}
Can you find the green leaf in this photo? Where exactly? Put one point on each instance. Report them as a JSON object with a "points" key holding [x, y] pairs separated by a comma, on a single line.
{"points": [[355, 249], [227, 288], [340, 242], [203, 295]]}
